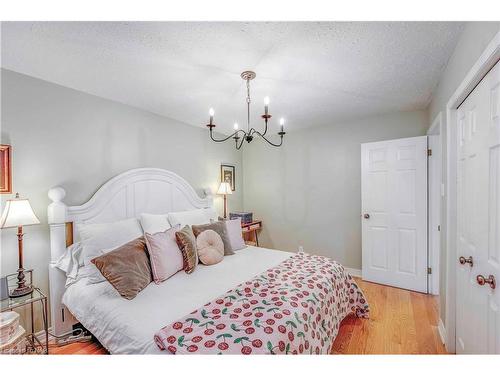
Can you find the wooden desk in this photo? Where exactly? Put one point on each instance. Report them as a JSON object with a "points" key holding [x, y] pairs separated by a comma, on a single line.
{"points": [[250, 230]]}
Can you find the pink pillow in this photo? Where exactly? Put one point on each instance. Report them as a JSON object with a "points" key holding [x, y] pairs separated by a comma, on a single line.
{"points": [[164, 254], [210, 247], [233, 228]]}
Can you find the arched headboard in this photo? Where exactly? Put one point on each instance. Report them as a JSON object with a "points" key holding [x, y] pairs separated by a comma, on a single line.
{"points": [[142, 190]]}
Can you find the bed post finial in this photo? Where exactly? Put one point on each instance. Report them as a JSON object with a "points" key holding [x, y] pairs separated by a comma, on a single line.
{"points": [[209, 195], [56, 211]]}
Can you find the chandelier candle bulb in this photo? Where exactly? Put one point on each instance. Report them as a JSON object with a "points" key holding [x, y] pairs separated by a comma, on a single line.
{"points": [[266, 105], [282, 123], [235, 126], [211, 112]]}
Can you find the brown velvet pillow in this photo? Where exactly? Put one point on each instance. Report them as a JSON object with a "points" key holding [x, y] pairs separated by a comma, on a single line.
{"points": [[127, 268], [187, 243], [220, 228]]}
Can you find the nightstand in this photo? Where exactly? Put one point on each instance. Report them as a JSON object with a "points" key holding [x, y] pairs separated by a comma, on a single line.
{"points": [[250, 232], [34, 345]]}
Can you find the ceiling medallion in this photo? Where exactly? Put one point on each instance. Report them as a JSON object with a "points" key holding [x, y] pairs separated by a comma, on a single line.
{"points": [[240, 135]]}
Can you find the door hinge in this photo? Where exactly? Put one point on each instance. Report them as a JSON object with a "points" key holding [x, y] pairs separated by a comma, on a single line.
{"points": [[429, 270], [439, 228], [429, 152]]}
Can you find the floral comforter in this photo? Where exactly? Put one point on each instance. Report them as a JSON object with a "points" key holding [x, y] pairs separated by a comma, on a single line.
{"points": [[295, 307]]}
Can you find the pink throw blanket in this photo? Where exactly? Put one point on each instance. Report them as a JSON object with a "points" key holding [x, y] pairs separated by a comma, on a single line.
{"points": [[295, 307]]}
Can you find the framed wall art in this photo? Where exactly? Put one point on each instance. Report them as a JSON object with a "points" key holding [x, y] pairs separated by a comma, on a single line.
{"points": [[227, 175], [5, 169]]}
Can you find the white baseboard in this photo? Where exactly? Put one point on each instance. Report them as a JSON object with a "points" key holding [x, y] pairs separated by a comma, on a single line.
{"points": [[353, 271], [442, 331]]}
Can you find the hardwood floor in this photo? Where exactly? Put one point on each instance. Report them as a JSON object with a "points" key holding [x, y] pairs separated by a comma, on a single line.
{"points": [[401, 322]]}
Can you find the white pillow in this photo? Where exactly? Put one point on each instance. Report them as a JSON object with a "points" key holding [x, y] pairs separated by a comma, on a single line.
{"points": [[97, 237], [154, 223], [233, 228], [192, 217], [70, 262]]}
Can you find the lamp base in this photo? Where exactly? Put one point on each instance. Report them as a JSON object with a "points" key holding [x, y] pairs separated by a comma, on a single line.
{"points": [[19, 292]]}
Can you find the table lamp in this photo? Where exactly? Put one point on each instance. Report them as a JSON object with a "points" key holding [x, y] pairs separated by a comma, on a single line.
{"points": [[225, 189], [18, 213]]}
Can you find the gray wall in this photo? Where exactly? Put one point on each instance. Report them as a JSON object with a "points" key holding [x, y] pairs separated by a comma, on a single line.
{"points": [[64, 137], [309, 191], [473, 41]]}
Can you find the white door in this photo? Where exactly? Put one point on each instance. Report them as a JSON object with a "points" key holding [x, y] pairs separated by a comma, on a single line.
{"points": [[478, 210], [394, 212]]}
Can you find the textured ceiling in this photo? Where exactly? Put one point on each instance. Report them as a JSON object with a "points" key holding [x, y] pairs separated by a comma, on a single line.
{"points": [[314, 73]]}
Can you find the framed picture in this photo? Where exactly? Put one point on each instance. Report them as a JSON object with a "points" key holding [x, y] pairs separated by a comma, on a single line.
{"points": [[5, 169], [227, 175]]}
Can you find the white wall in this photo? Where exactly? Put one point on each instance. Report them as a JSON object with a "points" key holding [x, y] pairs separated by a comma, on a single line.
{"points": [[60, 136], [473, 41], [309, 191]]}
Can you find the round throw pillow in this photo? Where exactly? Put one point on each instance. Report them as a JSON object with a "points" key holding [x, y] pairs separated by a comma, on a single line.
{"points": [[210, 247]]}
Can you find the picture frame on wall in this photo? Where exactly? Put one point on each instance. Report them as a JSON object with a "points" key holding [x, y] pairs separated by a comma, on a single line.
{"points": [[227, 174], [5, 169]]}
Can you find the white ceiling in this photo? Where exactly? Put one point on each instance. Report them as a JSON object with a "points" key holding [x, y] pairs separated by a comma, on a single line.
{"points": [[315, 73]]}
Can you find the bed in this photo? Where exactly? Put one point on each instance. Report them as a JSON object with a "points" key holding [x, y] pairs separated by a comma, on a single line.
{"points": [[148, 323], [124, 326]]}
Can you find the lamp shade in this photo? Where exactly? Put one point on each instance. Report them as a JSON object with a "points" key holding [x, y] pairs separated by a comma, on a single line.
{"points": [[17, 213], [224, 188]]}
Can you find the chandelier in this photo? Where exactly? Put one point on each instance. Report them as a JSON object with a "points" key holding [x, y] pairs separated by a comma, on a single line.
{"points": [[239, 135]]}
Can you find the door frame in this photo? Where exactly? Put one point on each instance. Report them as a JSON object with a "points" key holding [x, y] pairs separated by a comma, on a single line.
{"points": [[435, 217], [487, 60]]}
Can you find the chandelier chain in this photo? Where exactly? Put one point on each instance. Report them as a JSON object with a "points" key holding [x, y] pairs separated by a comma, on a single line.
{"points": [[248, 104]]}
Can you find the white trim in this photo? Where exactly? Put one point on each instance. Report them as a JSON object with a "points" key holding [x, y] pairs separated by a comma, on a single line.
{"points": [[435, 130], [442, 331], [486, 61], [353, 271]]}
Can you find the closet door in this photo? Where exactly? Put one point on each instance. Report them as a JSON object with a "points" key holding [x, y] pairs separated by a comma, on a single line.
{"points": [[394, 212], [478, 210]]}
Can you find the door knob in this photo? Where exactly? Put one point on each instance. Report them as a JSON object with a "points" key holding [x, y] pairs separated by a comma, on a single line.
{"points": [[366, 216], [464, 260], [481, 280]]}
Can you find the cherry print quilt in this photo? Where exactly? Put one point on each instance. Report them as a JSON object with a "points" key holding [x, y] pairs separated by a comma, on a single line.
{"points": [[293, 308]]}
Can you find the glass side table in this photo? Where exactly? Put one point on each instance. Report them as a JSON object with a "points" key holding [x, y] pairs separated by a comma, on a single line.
{"points": [[33, 343]]}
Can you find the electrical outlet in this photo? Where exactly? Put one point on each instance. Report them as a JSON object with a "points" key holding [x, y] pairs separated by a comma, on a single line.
{"points": [[301, 249]]}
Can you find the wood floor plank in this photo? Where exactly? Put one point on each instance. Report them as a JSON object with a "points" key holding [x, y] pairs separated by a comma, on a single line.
{"points": [[401, 322]]}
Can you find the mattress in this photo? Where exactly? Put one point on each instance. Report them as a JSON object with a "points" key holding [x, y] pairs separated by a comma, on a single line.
{"points": [[128, 326]]}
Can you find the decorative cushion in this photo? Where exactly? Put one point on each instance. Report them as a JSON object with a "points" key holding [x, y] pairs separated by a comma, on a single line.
{"points": [[154, 223], [220, 228], [210, 247], [192, 217], [126, 268], [164, 254], [234, 233], [97, 237], [187, 243]]}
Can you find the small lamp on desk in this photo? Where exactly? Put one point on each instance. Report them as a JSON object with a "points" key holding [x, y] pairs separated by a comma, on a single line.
{"points": [[225, 189], [18, 213]]}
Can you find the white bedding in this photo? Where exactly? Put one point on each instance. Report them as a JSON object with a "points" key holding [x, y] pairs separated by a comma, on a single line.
{"points": [[128, 326]]}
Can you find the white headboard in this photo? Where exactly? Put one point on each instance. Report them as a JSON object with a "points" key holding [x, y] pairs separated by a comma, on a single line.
{"points": [[142, 190]]}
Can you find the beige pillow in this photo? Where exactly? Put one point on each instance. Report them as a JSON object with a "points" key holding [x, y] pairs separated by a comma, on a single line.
{"points": [[210, 247], [126, 268]]}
